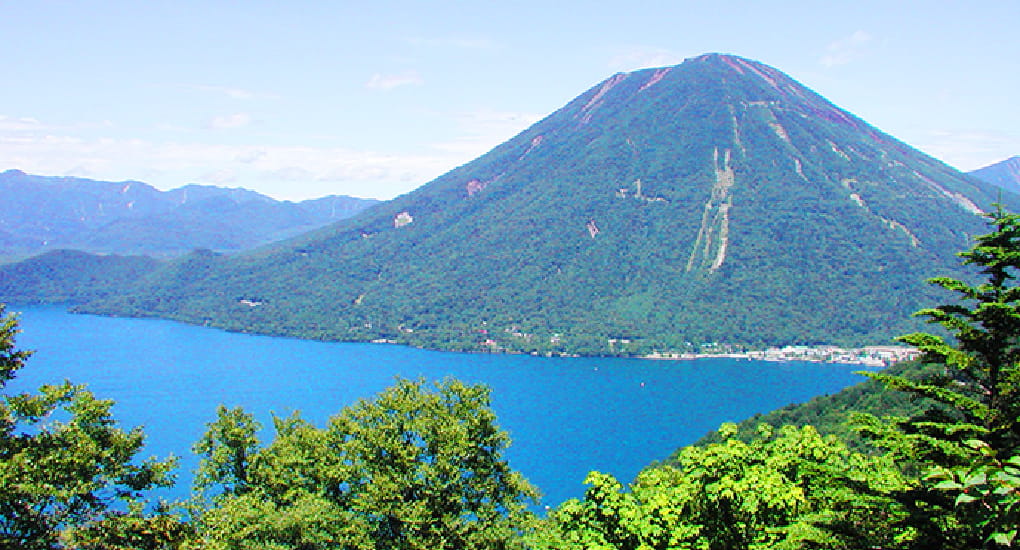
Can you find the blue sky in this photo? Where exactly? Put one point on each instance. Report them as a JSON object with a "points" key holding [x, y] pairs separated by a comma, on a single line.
{"points": [[304, 99]]}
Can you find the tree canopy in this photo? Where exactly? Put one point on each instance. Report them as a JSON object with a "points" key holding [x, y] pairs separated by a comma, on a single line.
{"points": [[946, 477], [422, 466], [968, 442], [65, 465], [411, 468]]}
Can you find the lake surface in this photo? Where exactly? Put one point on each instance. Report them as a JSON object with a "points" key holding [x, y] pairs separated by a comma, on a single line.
{"points": [[566, 416]]}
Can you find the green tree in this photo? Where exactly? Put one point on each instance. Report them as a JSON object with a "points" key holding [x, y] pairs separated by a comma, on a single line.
{"points": [[428, 467], [980, 383], [64, 464], [411, 468], [227, 445], [988, 486], [787, 489], [972, 433]]}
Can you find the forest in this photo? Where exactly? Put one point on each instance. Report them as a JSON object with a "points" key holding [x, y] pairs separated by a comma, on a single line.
{"points": [[589, 233], [934, 464]]}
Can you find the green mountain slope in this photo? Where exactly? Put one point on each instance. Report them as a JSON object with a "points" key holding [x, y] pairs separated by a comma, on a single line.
{"points": [[830, 413], [71, 276], [1004, 174], [43, 214], [714, 201]]}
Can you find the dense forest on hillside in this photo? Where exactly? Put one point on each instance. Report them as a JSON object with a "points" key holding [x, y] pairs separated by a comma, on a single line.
{"points": [[830, 414], [72, 277], [661, 210], [46, 213], [422, 466]]}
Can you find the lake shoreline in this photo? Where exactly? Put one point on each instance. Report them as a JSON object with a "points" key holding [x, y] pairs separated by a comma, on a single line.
{"points": [[868, 356]]}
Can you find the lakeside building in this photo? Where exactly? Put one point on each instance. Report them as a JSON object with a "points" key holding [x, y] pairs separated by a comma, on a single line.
{"points": [[871, 356]]}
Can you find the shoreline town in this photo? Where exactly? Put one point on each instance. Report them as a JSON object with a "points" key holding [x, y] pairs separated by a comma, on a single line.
{"points": [[869, 356]]}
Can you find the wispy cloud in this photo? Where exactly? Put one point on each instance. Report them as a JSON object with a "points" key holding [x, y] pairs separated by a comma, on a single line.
{"points": [[970, 149], [19, 124], [22, 125], [481, 130], [844, 50], [220, 177], [387, 82], [251, 156], [643, 57], [292, 172], [235, 93], [458, 42], [280, 170], [236, 120]]}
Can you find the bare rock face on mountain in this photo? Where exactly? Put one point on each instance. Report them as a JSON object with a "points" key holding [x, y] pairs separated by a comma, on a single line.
{"points": [[715, 201]]}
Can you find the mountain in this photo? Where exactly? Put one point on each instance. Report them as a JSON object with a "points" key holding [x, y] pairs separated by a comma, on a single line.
{"points": [[1005, 174], [72, 276], [48, 213], [710, 204]]}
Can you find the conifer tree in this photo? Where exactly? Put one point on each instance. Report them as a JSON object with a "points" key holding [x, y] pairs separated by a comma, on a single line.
{"points": [[968, 440]]}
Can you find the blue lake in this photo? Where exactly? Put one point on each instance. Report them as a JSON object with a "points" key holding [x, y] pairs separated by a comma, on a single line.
{"points": [[566, 416]]}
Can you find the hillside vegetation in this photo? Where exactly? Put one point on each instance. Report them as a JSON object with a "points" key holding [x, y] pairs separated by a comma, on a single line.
{"points": [[714, 201], [1005, 174], [45, 214], [420, 467], [72, 277]]}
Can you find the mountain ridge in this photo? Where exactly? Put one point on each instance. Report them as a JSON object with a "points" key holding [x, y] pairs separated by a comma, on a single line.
{"points": [[45, 213], [714, 201], [1004, 174]]}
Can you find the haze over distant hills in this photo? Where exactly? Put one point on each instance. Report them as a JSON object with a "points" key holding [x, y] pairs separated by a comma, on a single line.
{"points": [[41, 213], [1005, 174], [715, 201]]}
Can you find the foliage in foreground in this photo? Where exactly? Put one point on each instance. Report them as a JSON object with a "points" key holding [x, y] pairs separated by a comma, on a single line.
{"points": [[415, 468], [410, 469], [956, 480], [830, 414], [64, 464], [790, 489], [968, 447]]}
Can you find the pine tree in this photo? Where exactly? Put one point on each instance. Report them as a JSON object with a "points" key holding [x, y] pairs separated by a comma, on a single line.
{"points": [[967, 442]]}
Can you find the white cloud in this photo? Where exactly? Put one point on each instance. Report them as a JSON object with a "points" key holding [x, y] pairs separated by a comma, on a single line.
{"points": [[845, 50], [483, 129], [249, 157], [220, 177], [235, 93], [644, 57], [12, 124], [970, 149], [236, 120], [459, 42], [33, 126], [391, 81], [289, 172], [281, 171]]}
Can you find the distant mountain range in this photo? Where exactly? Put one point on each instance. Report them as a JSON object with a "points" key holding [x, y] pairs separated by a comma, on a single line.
{"points": [[1005, 174], [717, 202], [41, 213]]}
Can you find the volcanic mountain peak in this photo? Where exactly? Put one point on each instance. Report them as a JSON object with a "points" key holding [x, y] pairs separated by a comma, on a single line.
{"points": [[717, 200]]}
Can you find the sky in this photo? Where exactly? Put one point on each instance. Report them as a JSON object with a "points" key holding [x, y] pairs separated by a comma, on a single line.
{"points": [[304, 99]]}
